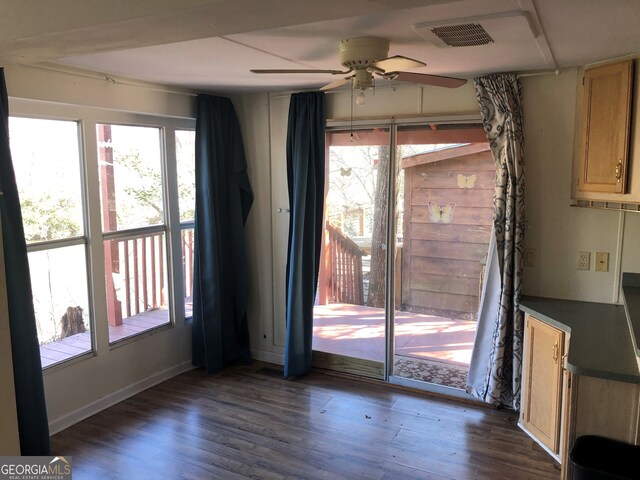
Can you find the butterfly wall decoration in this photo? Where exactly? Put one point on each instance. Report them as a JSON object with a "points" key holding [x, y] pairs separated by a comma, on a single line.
{"points": [[466, 181], [345, 172], [441, 213]]}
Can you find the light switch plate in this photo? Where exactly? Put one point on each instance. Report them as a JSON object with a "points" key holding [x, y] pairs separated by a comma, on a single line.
{"points": [[530, 257], [602, 261]]}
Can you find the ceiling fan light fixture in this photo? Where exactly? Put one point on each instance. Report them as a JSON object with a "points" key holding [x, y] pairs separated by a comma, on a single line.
{"points": [[360, 99]]}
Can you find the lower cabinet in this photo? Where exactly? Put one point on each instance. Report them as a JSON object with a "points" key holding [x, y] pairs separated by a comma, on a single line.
{"points": [[557, 406], [542, 381]]}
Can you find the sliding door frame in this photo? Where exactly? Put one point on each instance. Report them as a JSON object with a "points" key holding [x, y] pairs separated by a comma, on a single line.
{"points": [[392, 123]]}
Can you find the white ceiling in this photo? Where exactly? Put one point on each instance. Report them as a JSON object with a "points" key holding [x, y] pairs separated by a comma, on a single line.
{"points": [[211, 44]]}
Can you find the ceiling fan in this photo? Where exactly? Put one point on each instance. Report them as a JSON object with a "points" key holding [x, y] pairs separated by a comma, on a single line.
{"points": [[364, 57]]}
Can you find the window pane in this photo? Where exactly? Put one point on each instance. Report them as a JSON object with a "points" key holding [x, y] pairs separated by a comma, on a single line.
{"points": [[137, 292], [187, 270], [61, 303], [45, 157], [186, 166], [349, 314], [130, 176], [186, 163]]}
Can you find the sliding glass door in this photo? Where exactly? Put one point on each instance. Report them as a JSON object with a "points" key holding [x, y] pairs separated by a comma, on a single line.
{"points": [[444, 206], [349, 315], [408, 215]]}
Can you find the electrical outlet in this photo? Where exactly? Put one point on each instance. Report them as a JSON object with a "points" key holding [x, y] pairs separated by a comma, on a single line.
{"points": [[602, 261], [584, 261]]}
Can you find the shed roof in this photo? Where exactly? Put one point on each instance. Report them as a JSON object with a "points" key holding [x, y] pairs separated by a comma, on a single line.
{"points": [[444, 154]]}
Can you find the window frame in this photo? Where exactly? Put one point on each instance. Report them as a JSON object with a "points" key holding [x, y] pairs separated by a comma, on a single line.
{"points": [[46, 245], [184, 224], [87, 119]]}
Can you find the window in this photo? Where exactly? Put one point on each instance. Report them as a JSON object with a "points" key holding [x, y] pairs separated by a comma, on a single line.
{"points": [[97, 189], [186, 168], [47, 163], [133, 224]]}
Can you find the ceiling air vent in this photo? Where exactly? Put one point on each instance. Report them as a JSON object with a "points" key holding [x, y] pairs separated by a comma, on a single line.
{"points": [[463, 35], [501, 28]]}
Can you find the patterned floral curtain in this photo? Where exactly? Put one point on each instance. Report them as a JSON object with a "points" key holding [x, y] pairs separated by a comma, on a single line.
{"points": [[499, 97]]}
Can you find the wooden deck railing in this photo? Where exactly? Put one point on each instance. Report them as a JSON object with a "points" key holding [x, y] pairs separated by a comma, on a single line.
{"points": [[340, 278], [141, 265]]}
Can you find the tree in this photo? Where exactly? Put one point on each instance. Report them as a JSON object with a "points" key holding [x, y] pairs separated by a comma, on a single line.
{"points": [[375, 297], [47, 218], [142, 185]]}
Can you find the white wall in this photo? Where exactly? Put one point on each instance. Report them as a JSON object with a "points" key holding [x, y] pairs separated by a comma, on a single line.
{"points": [[556, 230], [87, 385], [253, 114], [95, 91]]}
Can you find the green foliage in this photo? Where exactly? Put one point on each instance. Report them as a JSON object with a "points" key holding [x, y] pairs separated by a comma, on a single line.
{"points": [[47, 218], [143, 188]]}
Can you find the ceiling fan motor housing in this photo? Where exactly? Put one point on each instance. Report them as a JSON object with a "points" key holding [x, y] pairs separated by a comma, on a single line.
{"points": [[360, 52]]}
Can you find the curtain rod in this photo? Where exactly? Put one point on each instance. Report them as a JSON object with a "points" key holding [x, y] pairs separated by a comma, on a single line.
{"points": [[110, 79], [540, 73], [286, 93]]}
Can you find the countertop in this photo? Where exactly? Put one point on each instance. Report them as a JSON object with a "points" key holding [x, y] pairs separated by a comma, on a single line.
{"points": [[631, 291], [600, 344]]}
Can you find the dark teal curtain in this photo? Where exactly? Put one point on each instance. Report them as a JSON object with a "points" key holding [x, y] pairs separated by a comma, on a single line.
{"points": [[305, 174], [223, 201], [33, 425]]}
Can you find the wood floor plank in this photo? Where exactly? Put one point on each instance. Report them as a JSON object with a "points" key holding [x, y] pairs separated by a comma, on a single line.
{"points": [[247, 423]]}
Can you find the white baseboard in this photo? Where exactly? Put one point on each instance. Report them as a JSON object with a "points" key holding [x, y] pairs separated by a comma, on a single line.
{"points": [[269, 357], [118, 396]]}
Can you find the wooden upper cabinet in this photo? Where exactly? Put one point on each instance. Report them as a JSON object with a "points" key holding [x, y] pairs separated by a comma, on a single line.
{"points": [[542, 382], [606, 118]]}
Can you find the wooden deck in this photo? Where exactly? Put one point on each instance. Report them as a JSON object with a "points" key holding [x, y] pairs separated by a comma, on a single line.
{"points": [[358, 331], [75, 345]]}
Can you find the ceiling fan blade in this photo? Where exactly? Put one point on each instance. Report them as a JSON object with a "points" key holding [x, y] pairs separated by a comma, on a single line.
{"points": [[426, 79], [279, 70], [336, 83], [397, 63]]}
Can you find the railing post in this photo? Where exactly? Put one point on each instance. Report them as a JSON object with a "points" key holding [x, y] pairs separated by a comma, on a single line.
{"points": [[108, 194], [127, 279], [154, 259], [114, 307], [322, 274], [145, 296]]}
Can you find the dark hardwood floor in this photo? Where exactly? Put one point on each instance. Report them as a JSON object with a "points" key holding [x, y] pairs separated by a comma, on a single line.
{"points": [[248, 422]]}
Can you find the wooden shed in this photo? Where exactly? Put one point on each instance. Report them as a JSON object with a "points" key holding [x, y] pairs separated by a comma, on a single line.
{"points": [[448, 212]]}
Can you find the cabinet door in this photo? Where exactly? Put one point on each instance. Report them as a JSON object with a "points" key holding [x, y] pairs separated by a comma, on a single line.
{"points": [[606, 115], [542, 382]]}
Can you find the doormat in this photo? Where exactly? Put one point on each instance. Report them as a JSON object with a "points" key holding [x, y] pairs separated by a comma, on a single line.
{"points": [[431, 371]]}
